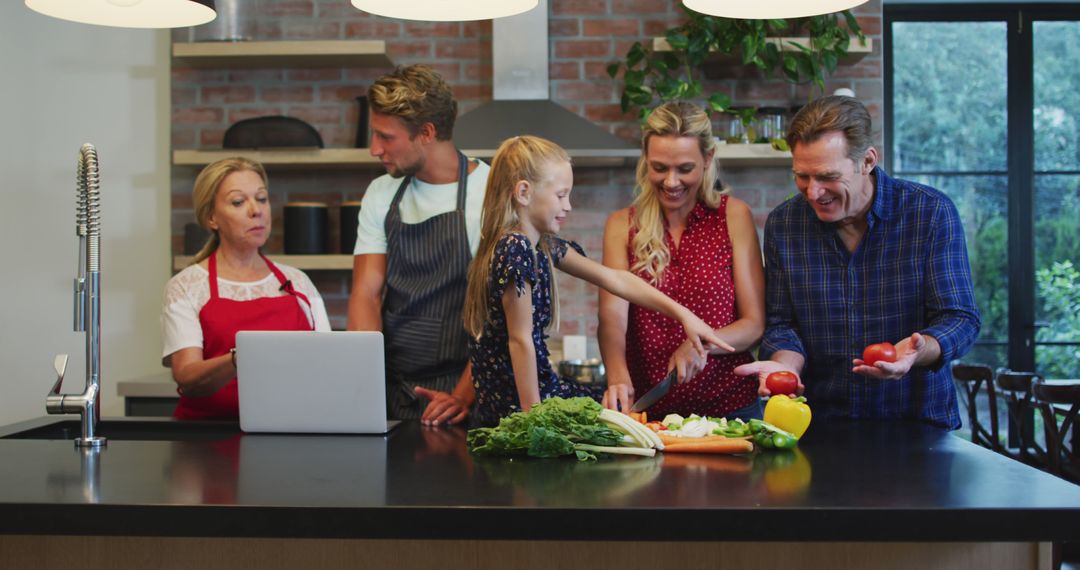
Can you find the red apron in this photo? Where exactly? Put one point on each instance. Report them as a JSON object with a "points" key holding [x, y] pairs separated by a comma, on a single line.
{"points": [[221, 319]]}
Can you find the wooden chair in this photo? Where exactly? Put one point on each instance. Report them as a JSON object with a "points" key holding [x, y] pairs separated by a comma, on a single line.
{"points": [[1060, 399], [1015, 388], [970, 379]]}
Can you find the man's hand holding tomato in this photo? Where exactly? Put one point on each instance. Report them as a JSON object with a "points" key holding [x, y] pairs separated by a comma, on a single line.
{"points": [[763, 368], [915, 350]]}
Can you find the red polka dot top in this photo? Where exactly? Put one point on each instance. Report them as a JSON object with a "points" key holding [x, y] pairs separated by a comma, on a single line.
{"points": [[700, 276]]}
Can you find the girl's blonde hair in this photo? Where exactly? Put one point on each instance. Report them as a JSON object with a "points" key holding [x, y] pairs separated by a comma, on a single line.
{"points": [[678, 119], [518, 158], [205, 192]]}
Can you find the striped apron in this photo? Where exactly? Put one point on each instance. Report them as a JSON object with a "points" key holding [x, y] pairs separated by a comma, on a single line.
{"points": [[426, 276]]}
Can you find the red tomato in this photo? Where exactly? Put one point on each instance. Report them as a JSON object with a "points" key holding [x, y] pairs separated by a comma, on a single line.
{"points": [[782, 383], [880, 352]]}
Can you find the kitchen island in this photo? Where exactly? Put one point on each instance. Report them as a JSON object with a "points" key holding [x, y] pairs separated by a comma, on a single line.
{"points": [[855, 495]]}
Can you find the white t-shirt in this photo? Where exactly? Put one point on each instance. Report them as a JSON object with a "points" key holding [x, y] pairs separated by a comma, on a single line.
{"points": [[420, 202], [188, 292]]}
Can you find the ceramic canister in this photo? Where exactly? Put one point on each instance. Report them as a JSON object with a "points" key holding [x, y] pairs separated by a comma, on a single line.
{"points": [[195, 237], [306, 225], [350, 212]]}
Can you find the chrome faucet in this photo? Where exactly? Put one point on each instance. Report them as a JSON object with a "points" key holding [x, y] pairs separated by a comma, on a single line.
{"points": [[87, 305]]}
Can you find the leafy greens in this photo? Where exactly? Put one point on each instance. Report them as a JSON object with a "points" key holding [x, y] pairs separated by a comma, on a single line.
{"points": [[552, 428]]}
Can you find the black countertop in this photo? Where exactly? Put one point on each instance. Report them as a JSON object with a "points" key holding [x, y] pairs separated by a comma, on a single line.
{"points": [[865, 481]]}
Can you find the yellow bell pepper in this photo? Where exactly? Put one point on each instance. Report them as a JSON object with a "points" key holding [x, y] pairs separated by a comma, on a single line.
{"points": [[787, 413]]}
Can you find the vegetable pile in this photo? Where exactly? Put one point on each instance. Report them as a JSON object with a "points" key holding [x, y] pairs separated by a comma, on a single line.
{"points": [[558, 426], [726, 436], [698, 426], [583, 428]]}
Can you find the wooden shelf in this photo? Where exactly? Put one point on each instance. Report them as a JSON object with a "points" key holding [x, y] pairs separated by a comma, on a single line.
{"points": [[305, 262], [581, 157], [295, 158], [361, 157], [336, 53], [734, 154], [752, 155], [856, 50]]}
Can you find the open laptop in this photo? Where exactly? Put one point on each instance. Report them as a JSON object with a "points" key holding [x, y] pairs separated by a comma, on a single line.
{"points": [[311, 382]]}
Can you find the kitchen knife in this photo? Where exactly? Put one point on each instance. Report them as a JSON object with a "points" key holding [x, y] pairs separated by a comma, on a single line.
{"points": [[656, 392]]}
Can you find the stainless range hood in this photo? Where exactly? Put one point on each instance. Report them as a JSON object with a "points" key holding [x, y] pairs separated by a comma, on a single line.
{"points": [[521, 105]]}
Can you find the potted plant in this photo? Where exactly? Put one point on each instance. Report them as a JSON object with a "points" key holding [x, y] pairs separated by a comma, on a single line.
{"points": [[652, 77]]}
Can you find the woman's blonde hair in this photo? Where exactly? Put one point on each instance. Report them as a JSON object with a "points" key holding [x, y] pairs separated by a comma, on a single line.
{"points": [[205, 192], [672, 119], [518, 158]]}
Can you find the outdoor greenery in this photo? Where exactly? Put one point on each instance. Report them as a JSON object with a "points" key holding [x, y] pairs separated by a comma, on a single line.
{"points": [[651, 78], [950, 131], [1059, 304], [1057, 96]]}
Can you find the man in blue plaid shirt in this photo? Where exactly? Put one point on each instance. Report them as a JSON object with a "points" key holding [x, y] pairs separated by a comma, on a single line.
{"points": [[862, 258]]}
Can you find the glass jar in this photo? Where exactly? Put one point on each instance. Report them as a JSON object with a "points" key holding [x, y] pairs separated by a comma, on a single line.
{"points": [[738, 131], [771, 123]]}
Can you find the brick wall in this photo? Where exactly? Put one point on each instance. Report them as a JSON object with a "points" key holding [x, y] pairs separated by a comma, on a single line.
{"points": [[585, 36]]}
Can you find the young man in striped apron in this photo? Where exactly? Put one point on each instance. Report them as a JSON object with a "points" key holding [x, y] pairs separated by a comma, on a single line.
{"points": [[418, 229]]}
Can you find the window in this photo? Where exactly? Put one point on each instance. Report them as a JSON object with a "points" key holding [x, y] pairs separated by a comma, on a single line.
{"points": [[985, 105]]}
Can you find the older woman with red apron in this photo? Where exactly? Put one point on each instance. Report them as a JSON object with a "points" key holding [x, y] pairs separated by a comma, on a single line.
{"points": [[237, 289]]}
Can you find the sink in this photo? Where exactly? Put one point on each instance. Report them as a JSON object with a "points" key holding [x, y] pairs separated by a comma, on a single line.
{"points": [[124, 429]]}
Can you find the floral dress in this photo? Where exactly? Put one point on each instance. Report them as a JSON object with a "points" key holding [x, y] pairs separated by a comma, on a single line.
{"points": [[514, 264]]}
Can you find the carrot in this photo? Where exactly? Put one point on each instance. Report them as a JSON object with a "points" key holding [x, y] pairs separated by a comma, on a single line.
{"points": [[655, 426], [672, 440], [727, 445], [638, 417]]}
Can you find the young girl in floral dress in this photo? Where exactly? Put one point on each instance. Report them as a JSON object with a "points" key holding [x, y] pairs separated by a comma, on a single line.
{"points": [[512, 299]]}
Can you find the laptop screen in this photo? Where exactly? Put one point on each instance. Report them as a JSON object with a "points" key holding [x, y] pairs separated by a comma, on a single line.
{"points": [[311, 382]]}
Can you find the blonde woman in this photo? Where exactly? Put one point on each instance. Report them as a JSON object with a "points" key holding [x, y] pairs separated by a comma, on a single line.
{"points": [[512, 299], [229, 287], [698, 246]]}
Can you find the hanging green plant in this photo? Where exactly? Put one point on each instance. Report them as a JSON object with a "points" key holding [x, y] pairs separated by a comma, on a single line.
{"points": [[653, 77]]}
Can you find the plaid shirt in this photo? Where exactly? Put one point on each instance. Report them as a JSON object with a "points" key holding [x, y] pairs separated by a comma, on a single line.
{"points": [[910, 273]]}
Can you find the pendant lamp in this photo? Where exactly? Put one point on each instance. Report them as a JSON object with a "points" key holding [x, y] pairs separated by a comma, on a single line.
{"points": [[445, 10], [129, 13], [768, 9]]}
